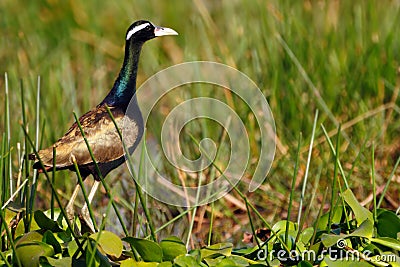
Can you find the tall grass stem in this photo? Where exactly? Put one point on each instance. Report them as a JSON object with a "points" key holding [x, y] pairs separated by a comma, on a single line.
{"points": [[303, 190]]}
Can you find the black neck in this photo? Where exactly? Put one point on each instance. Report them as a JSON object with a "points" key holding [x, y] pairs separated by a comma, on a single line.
{"points": [[125, 85]]}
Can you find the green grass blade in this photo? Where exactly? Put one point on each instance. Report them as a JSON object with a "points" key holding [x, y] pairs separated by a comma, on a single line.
{"points": [[308, 211], [373, 181], [35, 172], [80, 181], [295, 172], [4, 259], [303, 190], [3, 162], [338, 167], [334, 154], [27, 194], [211, 225], [253, 230], [9, 184], [191, 223], [321, 209], [53, 178], [334, 181], [140, 196], [388, 183], [135, 213], [102, 225], [9, 237]]}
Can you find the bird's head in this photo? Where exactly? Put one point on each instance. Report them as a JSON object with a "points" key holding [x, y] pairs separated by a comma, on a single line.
{"points": [[142, 31]]}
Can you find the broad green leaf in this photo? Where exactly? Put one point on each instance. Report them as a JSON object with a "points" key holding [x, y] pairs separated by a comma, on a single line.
{"points": [[291, 238], [50, 239], [364, 230], [371, 247], [360, 212], [165, 264], [57, 215], [109, 242], [331, 240], [28, 237], [148, 250], [245, 251], [29, 252], [63, 262], [241, 261], [21, 227], [280, 226], [301, 247], [217, 249], [172, 247], [304, 264], [345, 263], [388, 242], [94, 256], [132, 263], [196, 253], [388, 224], [64, 236], [127, 263], [46, 223], [274, 263], [229, 262], [185, 261], [306, 235], [73, 247], [90, 253], [213, 262], [336, 217]]}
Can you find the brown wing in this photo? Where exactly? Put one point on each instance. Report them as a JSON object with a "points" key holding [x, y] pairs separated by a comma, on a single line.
{"points": [[101, 134]]}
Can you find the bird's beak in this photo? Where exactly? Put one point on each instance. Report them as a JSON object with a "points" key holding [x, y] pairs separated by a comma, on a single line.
{"points": [[161, 31]]}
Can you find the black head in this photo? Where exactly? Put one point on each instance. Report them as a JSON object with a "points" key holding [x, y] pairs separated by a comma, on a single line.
{"points": [[142, 31]]}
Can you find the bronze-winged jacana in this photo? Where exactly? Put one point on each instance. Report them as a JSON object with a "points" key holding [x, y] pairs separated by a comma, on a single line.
{"points": [[98, 126]]}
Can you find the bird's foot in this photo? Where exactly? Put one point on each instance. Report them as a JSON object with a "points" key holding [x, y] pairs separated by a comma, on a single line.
{"points": [[86, 219], [69, 209]]}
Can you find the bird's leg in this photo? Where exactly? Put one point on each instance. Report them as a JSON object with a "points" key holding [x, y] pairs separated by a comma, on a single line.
{"points": [[69, 209], [85, 209]]}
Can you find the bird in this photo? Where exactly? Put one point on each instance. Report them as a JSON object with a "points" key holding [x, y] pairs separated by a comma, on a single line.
{"points": [[98, 127]]}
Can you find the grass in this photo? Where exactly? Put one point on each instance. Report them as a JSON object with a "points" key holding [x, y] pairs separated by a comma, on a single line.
{"points": [[338, 57]]}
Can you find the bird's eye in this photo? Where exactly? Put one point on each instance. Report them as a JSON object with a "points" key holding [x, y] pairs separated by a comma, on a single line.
{"points": [[148, 28]]}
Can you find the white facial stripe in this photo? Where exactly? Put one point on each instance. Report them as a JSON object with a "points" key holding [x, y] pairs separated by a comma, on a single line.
{"points": [[136, 29]]}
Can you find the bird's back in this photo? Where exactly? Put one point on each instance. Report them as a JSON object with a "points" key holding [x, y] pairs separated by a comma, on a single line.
{"points": [[103, 139]]}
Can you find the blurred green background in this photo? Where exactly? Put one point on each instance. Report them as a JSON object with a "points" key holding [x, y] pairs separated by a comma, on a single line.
{"points": [[340, 57]]}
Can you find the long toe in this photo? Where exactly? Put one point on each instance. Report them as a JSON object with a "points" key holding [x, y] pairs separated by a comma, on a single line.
{"points": [[69, 209], [86, 221]]}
